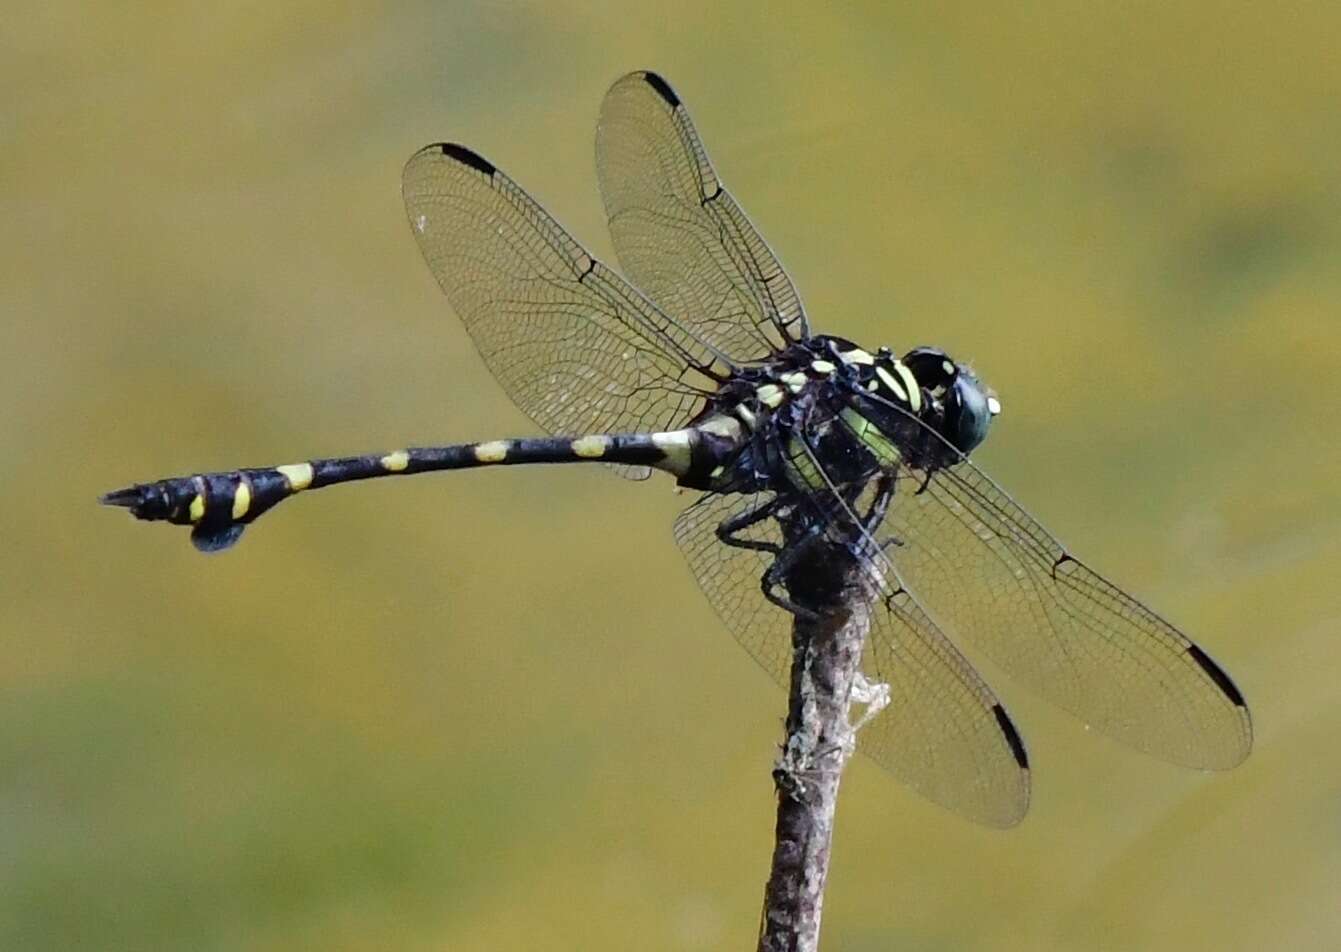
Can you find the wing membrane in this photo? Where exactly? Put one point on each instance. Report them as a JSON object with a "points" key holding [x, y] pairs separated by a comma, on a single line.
{"points": [[679, 234], [944, 733], [992, 575], [574, 346]]}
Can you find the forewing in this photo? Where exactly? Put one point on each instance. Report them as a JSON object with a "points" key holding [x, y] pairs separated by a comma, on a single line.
{"points": [[679, 234], [944, 733], [574, 346], [992, 575]]}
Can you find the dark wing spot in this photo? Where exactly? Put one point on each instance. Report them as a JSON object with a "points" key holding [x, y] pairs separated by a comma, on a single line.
{"points": [[215, 539], [1216, 673], [1012, 736], [467, 157], [1062, 564], [662, 89]]}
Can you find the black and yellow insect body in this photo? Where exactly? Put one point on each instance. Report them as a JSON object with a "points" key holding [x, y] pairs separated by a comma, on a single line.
{"points": [[800, 443], [219, 505]]}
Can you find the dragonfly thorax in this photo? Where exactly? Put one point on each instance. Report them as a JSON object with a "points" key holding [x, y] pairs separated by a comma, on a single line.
{"points": [[861, 412]]}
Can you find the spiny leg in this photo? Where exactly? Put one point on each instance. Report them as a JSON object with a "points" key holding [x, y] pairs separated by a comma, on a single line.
{"points": [[774, 580], [875, 515], [728, 530]]}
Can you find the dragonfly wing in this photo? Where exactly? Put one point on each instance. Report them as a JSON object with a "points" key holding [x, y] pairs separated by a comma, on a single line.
{"points": [[992, 575], [680, 235], [944, 733], [575, 347]]}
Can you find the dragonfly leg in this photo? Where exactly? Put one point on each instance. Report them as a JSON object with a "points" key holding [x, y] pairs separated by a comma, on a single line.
{"points": [[878, 508], [774, 581], [772, 587], [771, 583], [884, 492], [728, 529]]}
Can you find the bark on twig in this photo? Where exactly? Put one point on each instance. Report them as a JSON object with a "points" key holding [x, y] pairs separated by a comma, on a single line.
{"points": [[826, 660]]}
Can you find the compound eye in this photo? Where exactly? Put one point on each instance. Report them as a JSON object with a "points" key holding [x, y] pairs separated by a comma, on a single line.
{"points": [[969, 413]]}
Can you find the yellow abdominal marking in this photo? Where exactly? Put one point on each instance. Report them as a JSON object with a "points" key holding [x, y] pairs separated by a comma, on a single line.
{"points": [[746, 414], [493, 452], [591, 447], [914, 391], [396, 462], [888, 379], [241, 500], [675, 444], [770, 395], [723, 426], [299, 475], [857, 356], [197, 511]]}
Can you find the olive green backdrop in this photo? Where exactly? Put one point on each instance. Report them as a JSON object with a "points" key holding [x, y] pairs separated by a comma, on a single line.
{"points": [[490, 710]]}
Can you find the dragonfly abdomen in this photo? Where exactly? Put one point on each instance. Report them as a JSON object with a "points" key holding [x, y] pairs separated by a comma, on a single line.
{"points": [[219, 505]]}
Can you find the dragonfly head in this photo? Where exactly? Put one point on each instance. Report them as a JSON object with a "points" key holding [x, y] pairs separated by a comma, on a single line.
{"points": [[967, 405]]}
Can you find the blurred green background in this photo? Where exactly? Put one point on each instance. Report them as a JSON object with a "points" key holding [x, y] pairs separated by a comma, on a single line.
{"points": [[491, 711]]}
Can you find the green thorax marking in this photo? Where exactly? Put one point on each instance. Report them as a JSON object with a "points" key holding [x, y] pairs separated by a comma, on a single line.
{"points": [[870, 436]]}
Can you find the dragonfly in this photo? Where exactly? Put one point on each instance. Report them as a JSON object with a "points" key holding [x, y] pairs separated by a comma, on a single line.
{"points": [[703, 365]]}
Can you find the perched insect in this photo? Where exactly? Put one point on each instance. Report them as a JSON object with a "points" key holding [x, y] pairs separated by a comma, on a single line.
{"points": [[795, 439]]}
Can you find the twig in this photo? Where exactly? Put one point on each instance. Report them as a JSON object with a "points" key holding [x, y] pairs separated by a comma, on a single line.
{"points": [[826, 659]]}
